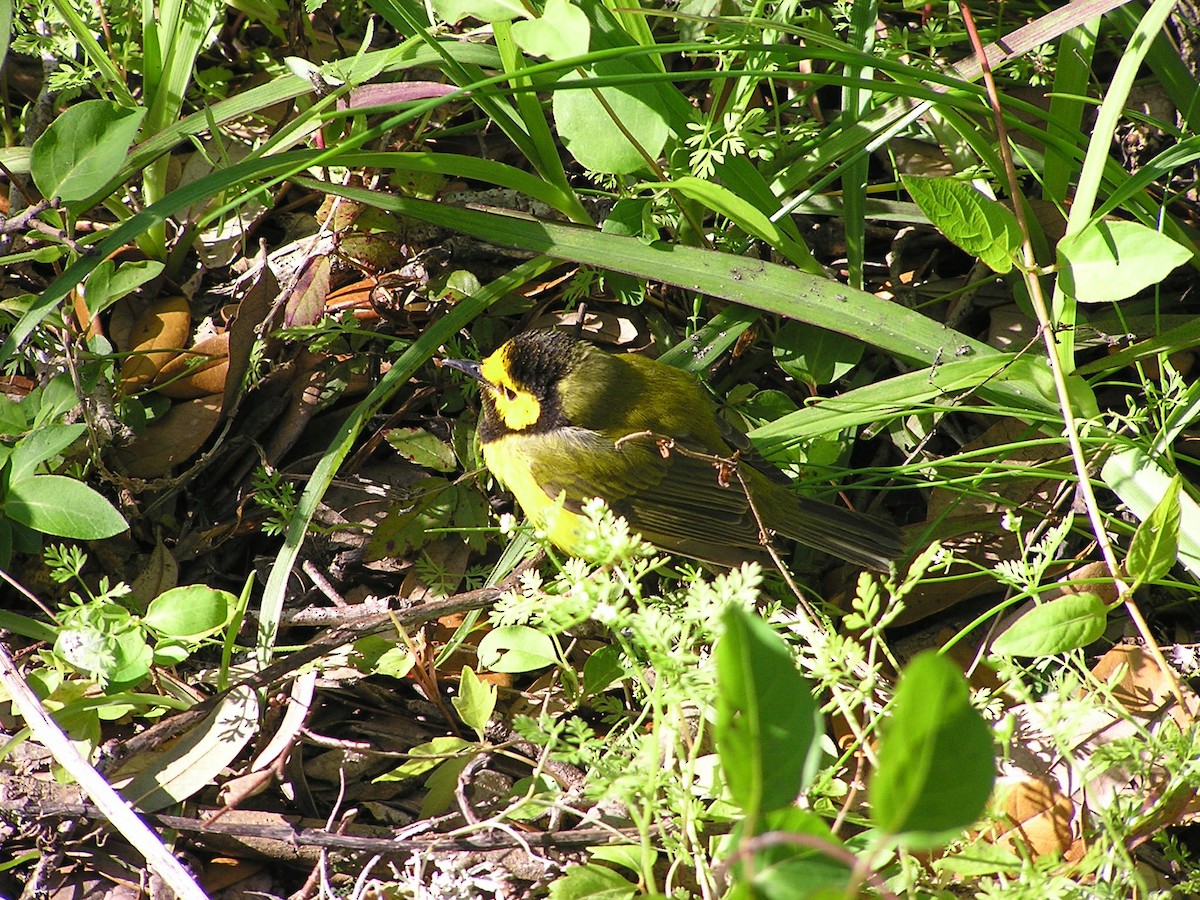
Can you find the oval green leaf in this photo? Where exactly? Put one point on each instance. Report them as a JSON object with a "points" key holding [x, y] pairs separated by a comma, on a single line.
{"points": [[193, 611], [815, 356], [83, 148], [63, 507], [1066, 623], [484, 10], [979, 225], [589, 132], [516, 648], [1109, 261], [1155, 544], [767, 720], [936, 758], [560, 32]]}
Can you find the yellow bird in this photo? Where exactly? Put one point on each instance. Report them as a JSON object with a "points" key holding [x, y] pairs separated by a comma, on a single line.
{"points": [[564, 421]]}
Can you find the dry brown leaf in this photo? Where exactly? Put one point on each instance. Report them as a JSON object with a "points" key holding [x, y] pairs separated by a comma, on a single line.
{"points": [[199, 372], [1033, 813], [171, 440], [159, 573], [157, 337], [1143, 688], [185, 766]]}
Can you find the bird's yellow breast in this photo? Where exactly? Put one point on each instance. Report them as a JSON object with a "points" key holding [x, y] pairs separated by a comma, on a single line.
{"points": [[508, 458]]}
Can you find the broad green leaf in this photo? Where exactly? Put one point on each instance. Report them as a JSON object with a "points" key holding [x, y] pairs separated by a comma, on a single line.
{"points": [[561, 31], [936, 760], [422, 448], [83, 148], [476, 700], [440, 786], [406, 529], [602, 669], [516, 648], [979, 225], [591, 881], [1109, 261], [1063, 624], [109, 282], [1155, 544], [41, 445], [87, 649], [170, 652], [133, 659], [814, 355], [790, 871], [588, 129], [192, 611], [484, 10], [767, 720], [64, 507]]}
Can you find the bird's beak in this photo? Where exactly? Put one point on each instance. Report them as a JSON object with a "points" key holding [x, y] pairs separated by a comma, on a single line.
{"points": [[465, 365]]}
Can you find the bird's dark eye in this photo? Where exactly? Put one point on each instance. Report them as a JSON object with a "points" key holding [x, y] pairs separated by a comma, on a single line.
{"points": [[509, 393]]}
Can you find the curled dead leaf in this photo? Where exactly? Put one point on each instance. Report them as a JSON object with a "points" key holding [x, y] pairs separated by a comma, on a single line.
{"points": [[155, 339], [199, 372]]}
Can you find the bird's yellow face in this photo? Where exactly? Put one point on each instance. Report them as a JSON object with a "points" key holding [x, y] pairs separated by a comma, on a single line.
{"points": [[515, 404]]}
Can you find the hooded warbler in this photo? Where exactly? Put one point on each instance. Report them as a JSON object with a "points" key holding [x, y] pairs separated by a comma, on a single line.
{"points": [[562, 418]]}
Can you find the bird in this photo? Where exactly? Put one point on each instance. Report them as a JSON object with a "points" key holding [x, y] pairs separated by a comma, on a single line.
{"points": [[563, 421]]}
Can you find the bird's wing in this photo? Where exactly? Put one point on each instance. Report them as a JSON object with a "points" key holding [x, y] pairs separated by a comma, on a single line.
{"points": [[674, 499]]}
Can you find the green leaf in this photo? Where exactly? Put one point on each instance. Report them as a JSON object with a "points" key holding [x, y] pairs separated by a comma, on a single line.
{"points": [[516, 648], [83, 148], [587, 128], [814, 355], [602, 669], [789, 871], [936, 761], [561, 31], [484, 10], [64, 507], [192, 611], [422, 448], [170, 652], [133, 659], [89, 650], [768, 723], [1109, 261], [592, 881], [476, 700], [440, 786], [109, 282], [42, 445], [1155, 544], [1063, 624], [1138, 478], [426, 757], [979, 225]]}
